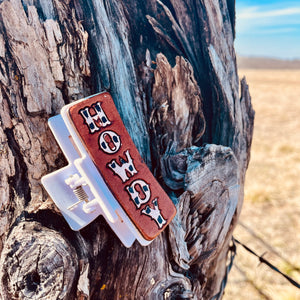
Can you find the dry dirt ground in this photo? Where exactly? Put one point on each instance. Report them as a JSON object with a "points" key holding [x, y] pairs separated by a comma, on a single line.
{"points": [[270, 219]]}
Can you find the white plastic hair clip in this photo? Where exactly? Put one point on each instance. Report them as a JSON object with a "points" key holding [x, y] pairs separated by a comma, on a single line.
{"points": [[106, 174]]}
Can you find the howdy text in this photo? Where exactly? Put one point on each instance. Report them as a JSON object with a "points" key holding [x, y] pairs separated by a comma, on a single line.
{"points": [[110, 142]]}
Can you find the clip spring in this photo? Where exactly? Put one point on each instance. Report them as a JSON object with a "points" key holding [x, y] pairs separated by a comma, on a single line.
{"points": [[76, 184]]}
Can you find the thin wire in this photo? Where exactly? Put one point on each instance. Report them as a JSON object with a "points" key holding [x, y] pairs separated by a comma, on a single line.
{"points": [[252, 283], [232, 251], [268, 246], [266, 262]]}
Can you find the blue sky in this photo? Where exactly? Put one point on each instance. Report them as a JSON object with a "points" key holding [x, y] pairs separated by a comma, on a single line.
{"points": [[268, 28]]}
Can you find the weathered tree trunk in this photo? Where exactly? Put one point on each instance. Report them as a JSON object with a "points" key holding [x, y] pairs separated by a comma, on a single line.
{"points": [[171, 68]]}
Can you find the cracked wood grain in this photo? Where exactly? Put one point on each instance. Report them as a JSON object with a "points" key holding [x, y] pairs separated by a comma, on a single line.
{"points": [[37, 263], [171, 69]]}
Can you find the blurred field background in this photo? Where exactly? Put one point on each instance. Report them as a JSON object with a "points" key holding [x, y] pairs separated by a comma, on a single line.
{"points": [[270, 219]]}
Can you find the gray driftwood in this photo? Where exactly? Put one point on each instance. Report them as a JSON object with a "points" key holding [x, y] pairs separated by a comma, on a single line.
{"points": [[170, 65]]}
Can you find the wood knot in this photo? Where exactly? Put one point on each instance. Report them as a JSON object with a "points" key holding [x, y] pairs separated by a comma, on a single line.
{"points": [[36, 263], [175, 288], [177, 292]]}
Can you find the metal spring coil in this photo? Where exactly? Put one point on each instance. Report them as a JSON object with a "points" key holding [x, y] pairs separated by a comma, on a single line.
{"points": [[81, 194]]}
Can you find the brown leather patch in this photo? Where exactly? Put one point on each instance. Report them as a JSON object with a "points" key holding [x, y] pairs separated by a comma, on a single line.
{"points": [[108, 143]]}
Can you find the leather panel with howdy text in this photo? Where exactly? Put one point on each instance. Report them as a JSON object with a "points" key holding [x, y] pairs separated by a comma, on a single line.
{"points": [[112, 150]]}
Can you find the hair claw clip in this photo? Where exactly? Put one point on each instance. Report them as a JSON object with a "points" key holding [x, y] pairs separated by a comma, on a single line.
{"points": [[105, 174]]}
